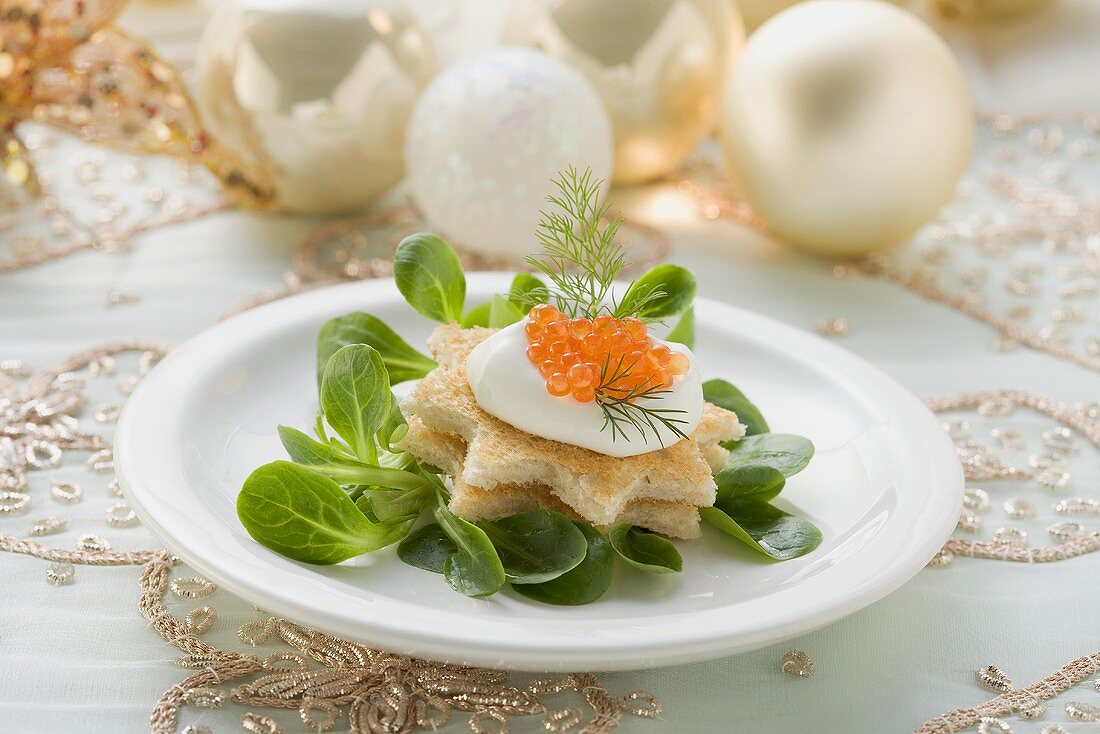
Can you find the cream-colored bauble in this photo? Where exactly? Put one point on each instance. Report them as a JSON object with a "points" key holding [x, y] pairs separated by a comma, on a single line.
{"points": [[977, 11], [488, 137], [316, 93], [846, 124], [658, 66], [755, 12]]}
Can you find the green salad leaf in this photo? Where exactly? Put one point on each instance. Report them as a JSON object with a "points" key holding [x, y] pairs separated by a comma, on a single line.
{"points": [[402, 361], [393, 429], [585, 583], [725, 395], [525, 292], [662, 292], [429, 275], [536, 546], [391, 505], [503, 312], [645, 551], [757, 482], [474, 569], [427, 548], [785, 452], [356, 398], [307, 517], [325, 459], [684, 330], [477, 315], [764, 527]]}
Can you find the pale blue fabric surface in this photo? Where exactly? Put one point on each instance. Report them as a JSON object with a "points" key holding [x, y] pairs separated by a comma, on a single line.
{"points": [[80, 658]]}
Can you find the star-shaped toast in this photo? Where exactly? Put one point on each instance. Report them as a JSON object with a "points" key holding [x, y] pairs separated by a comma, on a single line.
{"points": [[498, 468]]}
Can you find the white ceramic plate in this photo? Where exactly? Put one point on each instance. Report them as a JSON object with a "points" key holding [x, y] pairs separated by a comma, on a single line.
{"points": [[885, 488]]}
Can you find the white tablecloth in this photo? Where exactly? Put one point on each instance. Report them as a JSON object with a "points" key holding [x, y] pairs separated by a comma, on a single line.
{"points": [[80, 658]]}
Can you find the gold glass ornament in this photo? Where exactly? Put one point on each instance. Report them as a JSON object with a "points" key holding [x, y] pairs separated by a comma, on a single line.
{"points": [[846, 124], [658, 67], [315, 93], [755, 12], [977, 11], [65, 64]]}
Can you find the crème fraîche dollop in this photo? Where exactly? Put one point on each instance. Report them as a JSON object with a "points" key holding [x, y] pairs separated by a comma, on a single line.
{"points": [[545, 383]]}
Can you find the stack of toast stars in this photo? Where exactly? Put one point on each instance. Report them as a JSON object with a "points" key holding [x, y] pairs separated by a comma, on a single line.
{"points": [[498, 470]]}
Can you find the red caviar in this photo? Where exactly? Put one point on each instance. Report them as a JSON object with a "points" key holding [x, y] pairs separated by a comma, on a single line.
{"points": [[571, 355]]}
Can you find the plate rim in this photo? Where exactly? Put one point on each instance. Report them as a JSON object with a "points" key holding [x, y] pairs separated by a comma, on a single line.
{"points": [[511, 651]]}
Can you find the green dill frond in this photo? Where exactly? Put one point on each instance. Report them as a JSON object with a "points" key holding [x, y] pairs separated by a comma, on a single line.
{"points": [[621, 410], [579, 254], [581, 260]]}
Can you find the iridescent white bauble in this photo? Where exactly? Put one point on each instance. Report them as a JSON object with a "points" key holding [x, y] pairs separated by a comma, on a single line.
{"points": [[846, 124], [488, 136], [314, 93]]}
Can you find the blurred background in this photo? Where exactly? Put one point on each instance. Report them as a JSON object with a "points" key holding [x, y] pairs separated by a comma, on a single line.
{"points": [[840, 126], [300, 139]]}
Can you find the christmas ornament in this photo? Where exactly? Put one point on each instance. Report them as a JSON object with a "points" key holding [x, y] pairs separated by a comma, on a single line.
{"points": [[487, 137], [658, 66], [977, 11], [66, 65], [853, 142], [314, 93], [755, 12]]}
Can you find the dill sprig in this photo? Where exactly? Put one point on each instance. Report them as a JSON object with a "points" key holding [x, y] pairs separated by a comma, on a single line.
{"points": [[582, 260], [579, 254], [621, 410]]}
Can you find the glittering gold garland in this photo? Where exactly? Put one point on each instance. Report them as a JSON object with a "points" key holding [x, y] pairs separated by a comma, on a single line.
{"points": [[927, 288], [67, 65], [381, 691], [360, 682], [1028, 702], [11, 544], [93, 242], [984, 465]]}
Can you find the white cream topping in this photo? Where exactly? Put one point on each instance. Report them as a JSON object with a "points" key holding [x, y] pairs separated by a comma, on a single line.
{"points": [[508, 386]]}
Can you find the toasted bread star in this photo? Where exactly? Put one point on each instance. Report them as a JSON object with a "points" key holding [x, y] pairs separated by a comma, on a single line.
{"points": [[675, 519], [500, 460]]}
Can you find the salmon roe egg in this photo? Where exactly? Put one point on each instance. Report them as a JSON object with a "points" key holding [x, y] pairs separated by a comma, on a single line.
{"points": [[635, 327], [584, 394], [556, 329], [557, 384], [537, 353], [604, 324], [581, 375], [544, 313], [678, 364], [659, 355], [576, 355]]}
